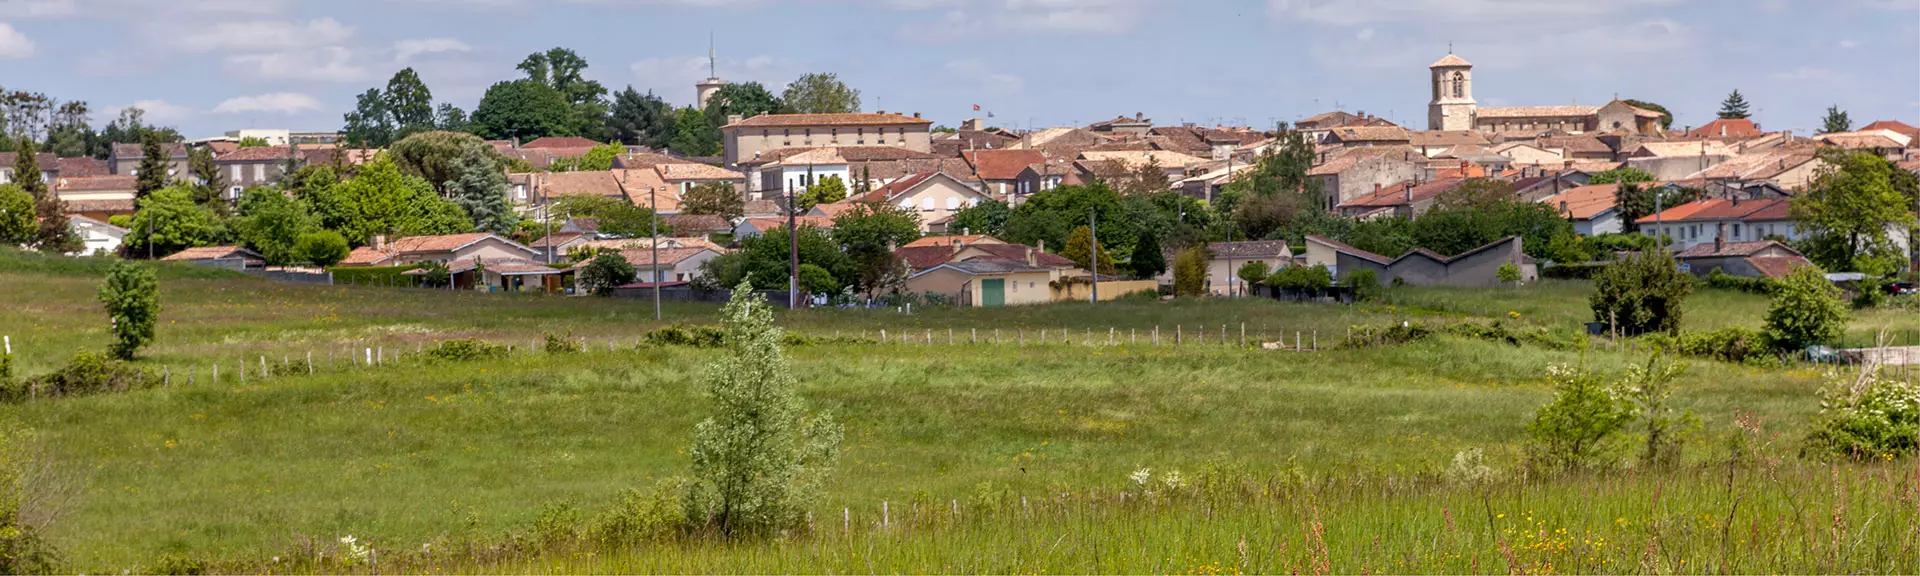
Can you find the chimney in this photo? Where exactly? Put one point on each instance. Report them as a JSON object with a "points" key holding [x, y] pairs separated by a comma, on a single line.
{"points": [[1376, 187], [379, 242], [1563, 208], [880, 112], [892, 246], [1031, 261], [1043, 245], [1409, 194], [734, 118], [916, 114], [1138, 116]]}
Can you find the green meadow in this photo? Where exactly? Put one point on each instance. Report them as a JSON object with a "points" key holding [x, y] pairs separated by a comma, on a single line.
{"points": [[962, 455]]}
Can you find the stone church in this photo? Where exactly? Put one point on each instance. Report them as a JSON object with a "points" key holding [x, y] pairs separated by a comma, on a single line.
{"points": [[1453, 108]]}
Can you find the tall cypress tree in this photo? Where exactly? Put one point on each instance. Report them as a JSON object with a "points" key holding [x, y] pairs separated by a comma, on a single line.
{"points": [[1734, 107], [153, 167], [53, 234]]}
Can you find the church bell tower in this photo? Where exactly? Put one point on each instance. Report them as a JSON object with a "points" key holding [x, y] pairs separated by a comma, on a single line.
{"points": [[1452, 107]]}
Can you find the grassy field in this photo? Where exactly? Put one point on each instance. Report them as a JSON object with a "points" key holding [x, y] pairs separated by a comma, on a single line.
{"points": [[1353, 440]]}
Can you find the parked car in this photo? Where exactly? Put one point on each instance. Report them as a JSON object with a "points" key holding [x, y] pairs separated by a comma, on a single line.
{"points": [[1902, 289]]}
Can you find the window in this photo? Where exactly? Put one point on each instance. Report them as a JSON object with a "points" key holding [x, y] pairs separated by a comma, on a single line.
{"points": [[520, 191], [259, 172], [5, 176], [1459, 85], [906, 203], [234, 192], [1016, 286], [236, 173], [926, 204], [1736, 231], [953, 203]]}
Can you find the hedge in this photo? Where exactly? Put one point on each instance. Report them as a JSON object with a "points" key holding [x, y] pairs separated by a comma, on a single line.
{"points": [[373, 275], [1581, 271]]}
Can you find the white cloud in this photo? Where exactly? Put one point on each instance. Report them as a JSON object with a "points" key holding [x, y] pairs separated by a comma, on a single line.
{"points": [[1353, 12], [13, 44], [275, 103], [138, 9], [406, 50], [328, 64], [1849, 44], [265, 35]]}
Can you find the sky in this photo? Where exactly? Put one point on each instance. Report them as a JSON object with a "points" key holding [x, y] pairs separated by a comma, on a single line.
{"points": [[210, 66]]}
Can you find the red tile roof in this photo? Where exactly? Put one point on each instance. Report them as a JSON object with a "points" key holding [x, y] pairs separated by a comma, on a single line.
{"points": [[83, 168], [366, 255], [1727, 128], [1343, 247], [856, 119], [1019, 252], [256, 154], [1777, 266], [897, 187], [1584, 202], [1402, 195], [1719, 209], [965, 240], [561, 142], [1894, 125], [1002, 164], [213, 253], [97, 183], [1711, 250]]}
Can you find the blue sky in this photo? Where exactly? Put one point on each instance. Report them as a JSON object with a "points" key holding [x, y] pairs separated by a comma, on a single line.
{"points": [[208, 66]]}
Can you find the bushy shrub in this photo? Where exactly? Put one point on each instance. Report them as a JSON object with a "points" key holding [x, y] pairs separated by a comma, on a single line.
{"points": [[86, 373], [1575, 429], [1724, 281], [1302, 278], [604, 272], [642, 517], [1806, 310], [1577, 271], [1190, 272], [1502, 333], [1867, 418], [322, 248], [1643, 293], [1254, 272], [1366, 336], [1508, 273], [558, 344], [132, 298], [693, 336], [1734, 344], [466, 349], [1648, 390], [1365, 284]]}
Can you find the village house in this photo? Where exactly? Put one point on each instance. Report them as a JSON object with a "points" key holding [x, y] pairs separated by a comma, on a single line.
{"points": [[985, 282], [97, 236], [1736, 220], [935, 196], [1592, 209], [1224, 260], [748, 139], [444, 249], [1755, 259], [749, 227], [125, 159], [1347, 174], [1406, 200], [249, 167], [98, 197], [1006, 173], [1369, 136], [48, 163], [674, 265], [1476, 268], [229, 257]]}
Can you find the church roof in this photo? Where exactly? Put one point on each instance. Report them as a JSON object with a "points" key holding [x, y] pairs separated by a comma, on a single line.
{"points": [[1451, 60]]}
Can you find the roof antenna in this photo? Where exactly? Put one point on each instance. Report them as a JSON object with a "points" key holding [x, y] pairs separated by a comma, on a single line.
{"points": [[713, 67], [1449, 46]]}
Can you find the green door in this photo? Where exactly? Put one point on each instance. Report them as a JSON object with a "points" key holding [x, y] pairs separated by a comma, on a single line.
{"points": [[993, 292]]}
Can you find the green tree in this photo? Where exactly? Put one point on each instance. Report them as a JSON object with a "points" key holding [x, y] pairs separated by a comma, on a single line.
{"points": [[1644, 292], [605, 272], [868, 234], [759, 461], [1836, 120], [522, 110], [1806, 309], [820, 94], [746, 100], [252, 142], [693, 135], [1081, 249], [1365, 283], [132, 297], [1621, 175], [1848, 211], [763, 259], [617, 217], [53, 233], [715, 198], [323, 248], [597, 159], [271, 223], [409, 102], [480, 189], [17, 226], [1508, 274], [1572, 431], [1666, 117], [1476, 194], [827, 191], [369, 125], [451, 118], [1146, 260], [1190, 272], [381, 200], [988, 217], [561, 69], [1254, 272], [210, 182], [154, 164], [643, 120], [1734, 107], [817, 280], [436, 156], [169, 221], [1051, 215]]}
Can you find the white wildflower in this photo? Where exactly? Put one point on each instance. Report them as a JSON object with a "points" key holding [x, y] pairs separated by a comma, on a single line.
{"points": [[1172, 481], [1141, 477]]}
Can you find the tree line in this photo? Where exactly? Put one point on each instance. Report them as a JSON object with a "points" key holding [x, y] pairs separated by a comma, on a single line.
{"points": [[554, 98]]}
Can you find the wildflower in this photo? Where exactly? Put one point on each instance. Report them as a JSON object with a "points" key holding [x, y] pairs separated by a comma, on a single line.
{"points": [[1172, 480], [1141, 476]]}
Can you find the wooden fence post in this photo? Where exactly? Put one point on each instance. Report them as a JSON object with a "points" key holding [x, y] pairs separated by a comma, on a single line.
{"points": [[309, 362]]}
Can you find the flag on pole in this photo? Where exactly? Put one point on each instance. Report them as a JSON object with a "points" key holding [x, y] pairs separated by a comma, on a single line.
{"points": [[976, 107]]}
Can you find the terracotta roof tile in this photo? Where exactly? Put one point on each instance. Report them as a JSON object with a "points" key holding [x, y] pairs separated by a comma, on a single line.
{"points": [[1399, 195], [1003, 164], [689, 171], [1721, 209], [256, 154], [561, 142], [1371, 134], [1450, 60], [1709, 249], [1727, 128], [173, 150], [1584, 202], [213, 253], [96, 183], [1536, 111], [1777, 267], [949, 240], [107, 206], [1894, 125], [83, 168]]}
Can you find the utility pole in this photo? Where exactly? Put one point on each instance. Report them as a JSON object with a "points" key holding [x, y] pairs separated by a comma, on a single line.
{"points": [[546, 209], [793, 252], [654, 203], [1093, 242]]}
